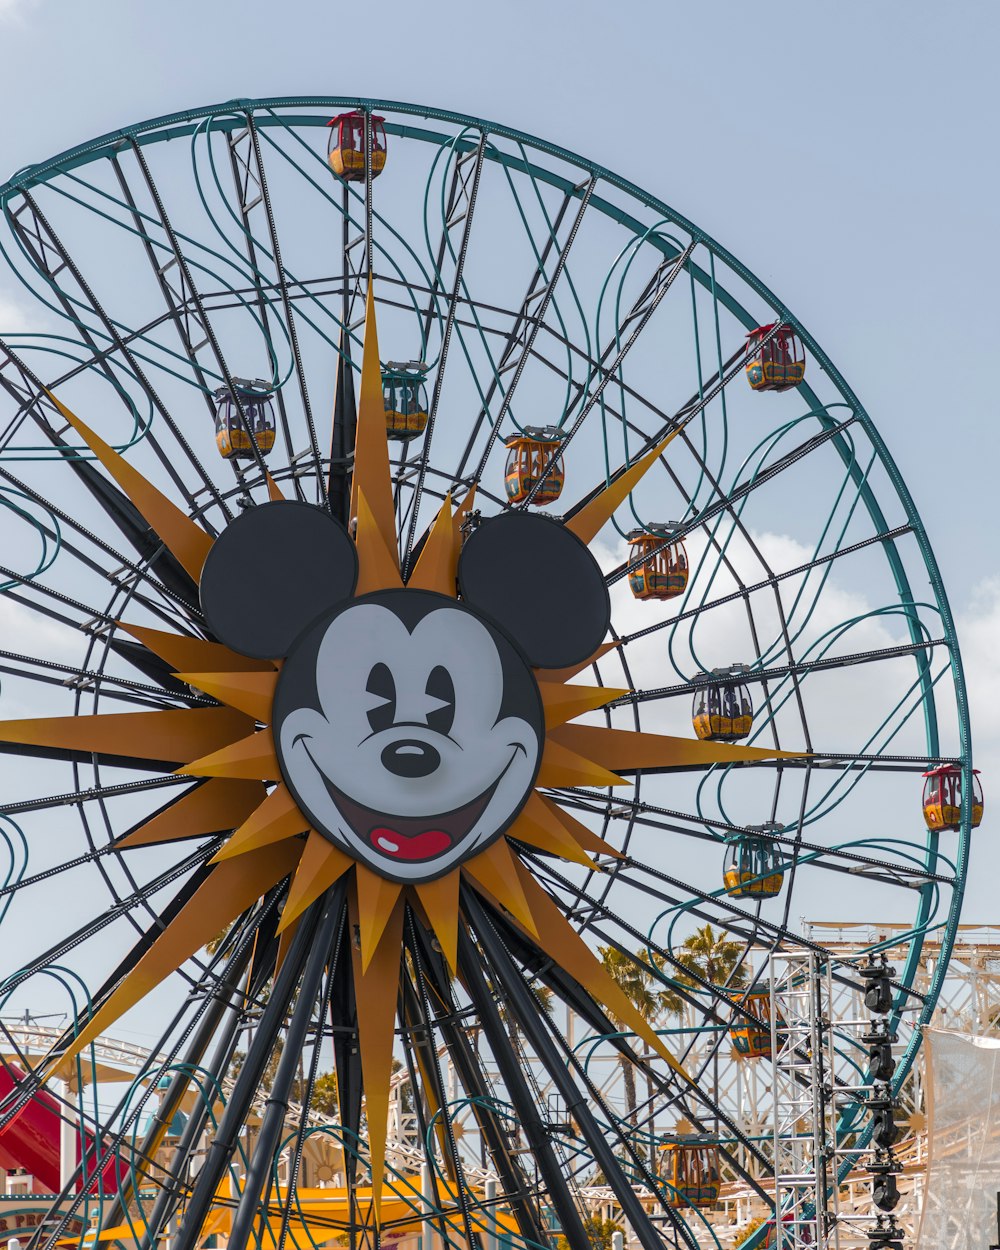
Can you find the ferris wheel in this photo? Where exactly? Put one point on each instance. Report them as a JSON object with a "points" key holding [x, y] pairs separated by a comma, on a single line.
{"points": [[442, 586]]}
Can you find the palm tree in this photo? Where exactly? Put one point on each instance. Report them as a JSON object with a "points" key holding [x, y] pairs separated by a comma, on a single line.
{"points": [[713, 957], [632, 976]]}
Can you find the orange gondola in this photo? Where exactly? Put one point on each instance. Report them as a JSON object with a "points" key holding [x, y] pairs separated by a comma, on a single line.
{"points": [[232, 429], [722, 710], [663, 573], [943, 797], [346, 148], [749, 1038], [778, 364], [529, 454], [690, 1167]]}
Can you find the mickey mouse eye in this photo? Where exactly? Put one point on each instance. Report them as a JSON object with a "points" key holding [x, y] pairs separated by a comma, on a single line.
{"points": [[382, 701], [441, 691]]}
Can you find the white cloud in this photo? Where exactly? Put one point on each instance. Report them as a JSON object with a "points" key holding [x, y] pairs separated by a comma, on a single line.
{"points": [[14, 11], [16, 315]]}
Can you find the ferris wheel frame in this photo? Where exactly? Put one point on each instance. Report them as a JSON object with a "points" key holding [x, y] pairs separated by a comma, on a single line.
{"points": [[251, 115]]}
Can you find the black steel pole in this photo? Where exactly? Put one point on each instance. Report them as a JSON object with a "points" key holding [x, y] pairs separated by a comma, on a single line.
{"points": [[222, 1145], [524, 1007], [516, 1186], [258, 1174], [520, 1095]]}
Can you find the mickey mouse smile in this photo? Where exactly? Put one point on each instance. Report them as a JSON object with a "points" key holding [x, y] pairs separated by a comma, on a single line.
{"points": [[409, 731], [411, 838]]}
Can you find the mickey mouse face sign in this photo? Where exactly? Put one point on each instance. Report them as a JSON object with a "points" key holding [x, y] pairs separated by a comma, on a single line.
{"points": [[408, 725]]}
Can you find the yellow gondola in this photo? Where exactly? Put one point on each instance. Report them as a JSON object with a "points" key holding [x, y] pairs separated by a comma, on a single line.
{"points": [[722, 710], [663, 573], [528, 456], [231, 429], [404, 397], [690, 1166], [754, 866]]}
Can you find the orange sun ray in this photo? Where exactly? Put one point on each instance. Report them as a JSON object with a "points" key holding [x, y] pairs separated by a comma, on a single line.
{"points": [[274, 492], [187, 541], [372, 477], [276, 817], [212, 807], [195, 654], [437, 567], [563, 703], [378, 563], [593, 516], [252, 693], [174, 735], [494, 871], [626, 750], [577, 831], [564, 767], [538, 827], [320, 866], [376, 993], [229, 890], [252, 758], [285, 938], [439, 899], [377, 897]]}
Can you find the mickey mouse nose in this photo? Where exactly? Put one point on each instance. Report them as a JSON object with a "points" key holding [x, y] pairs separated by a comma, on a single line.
{"points": [[410, 758]]}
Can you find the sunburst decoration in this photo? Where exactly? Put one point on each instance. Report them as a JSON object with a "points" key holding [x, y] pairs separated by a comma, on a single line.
{"points": [[230, 751]]}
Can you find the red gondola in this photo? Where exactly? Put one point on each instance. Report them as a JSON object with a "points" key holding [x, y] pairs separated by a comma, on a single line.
{"points": [[943, 797], [346, 148], [779, 363]]}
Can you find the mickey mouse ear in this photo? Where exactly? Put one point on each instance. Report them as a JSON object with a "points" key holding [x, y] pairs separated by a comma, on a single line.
{"points": [[539, 582], [272, 571]]}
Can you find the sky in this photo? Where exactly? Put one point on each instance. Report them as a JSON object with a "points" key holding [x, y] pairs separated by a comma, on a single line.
{"points": [[844, 152]]}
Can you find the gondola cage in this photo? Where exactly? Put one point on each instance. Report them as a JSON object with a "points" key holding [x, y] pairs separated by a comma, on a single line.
{"points": [[722, 710], [778, 364], [663, 573], [690, 1167], [943, 797], [529, 454], [231, 433], [754, 866], [346, 146], [749, 1039], [404, 396]]}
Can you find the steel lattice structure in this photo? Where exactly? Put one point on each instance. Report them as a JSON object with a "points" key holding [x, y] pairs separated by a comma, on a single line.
{"points": [[173, 260]]}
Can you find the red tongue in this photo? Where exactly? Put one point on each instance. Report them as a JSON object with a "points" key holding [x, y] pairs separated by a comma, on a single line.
{"points": [[419, 846]]}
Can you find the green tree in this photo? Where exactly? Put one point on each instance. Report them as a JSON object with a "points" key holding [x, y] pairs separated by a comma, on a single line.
{"points": [[749, 1231], [324, 1096], [598, 1230], [713, 957], [633, 977]]}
